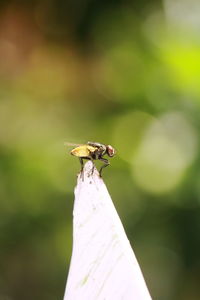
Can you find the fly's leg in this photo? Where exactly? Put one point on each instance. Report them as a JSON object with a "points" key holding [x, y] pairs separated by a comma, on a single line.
{"points": [[81, 162], [106, 163], [92, 166], [90, 158], [95, 155], [82, 165]]}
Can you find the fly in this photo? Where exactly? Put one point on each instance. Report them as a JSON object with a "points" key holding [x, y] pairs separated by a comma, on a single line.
{"points": [[93, 151]]}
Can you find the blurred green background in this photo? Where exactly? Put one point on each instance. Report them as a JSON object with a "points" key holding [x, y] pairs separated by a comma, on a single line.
{"points": [[125, 73]]}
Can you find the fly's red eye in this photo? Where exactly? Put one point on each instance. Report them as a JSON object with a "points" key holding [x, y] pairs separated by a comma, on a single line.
{"points": [[110, 151]]}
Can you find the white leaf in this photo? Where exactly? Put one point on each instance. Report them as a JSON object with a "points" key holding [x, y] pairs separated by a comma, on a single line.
{"points": [[103, 265]]}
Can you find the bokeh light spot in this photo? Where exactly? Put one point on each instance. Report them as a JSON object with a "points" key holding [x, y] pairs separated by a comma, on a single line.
{"points": [[164, 155]]}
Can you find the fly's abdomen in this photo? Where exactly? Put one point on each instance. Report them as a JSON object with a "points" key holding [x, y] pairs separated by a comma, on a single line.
{"points": [[83, 151]]}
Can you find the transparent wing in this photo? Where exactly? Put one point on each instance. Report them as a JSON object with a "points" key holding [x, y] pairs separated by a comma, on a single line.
{"points": [[72, 144]]}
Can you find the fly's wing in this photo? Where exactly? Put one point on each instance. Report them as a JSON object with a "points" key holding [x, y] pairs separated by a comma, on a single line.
{"points": [[72, 144], [83, 151]]}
